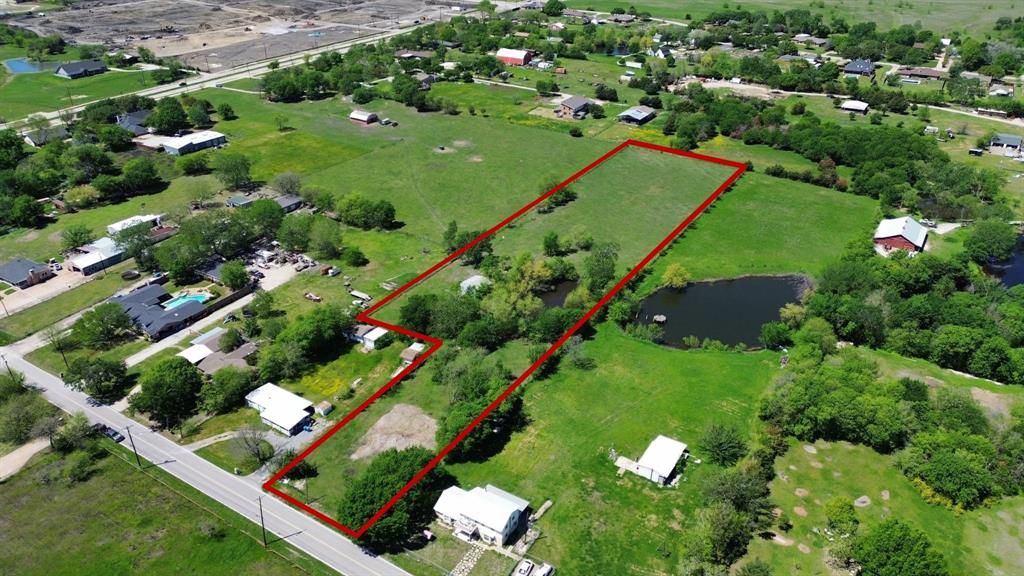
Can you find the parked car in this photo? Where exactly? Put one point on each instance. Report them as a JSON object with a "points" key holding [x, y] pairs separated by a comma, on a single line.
{"points": [[525, 568], [113, 435], [545, 570], [92, 401], [182, 84], [385, 122], [130, 274]]}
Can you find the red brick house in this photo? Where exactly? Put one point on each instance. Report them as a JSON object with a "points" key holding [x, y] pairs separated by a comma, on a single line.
{"points": [[900, 234]]}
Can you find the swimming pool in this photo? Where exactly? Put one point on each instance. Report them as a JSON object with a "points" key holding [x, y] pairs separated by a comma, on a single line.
{"points": [[179, 300]]}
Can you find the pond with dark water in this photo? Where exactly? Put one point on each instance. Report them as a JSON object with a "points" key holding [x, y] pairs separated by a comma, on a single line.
{"points": [[1010, 271], [731, 311]]}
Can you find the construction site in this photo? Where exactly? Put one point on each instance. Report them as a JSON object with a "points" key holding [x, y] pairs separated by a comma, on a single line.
{"points": [[227, 33]]}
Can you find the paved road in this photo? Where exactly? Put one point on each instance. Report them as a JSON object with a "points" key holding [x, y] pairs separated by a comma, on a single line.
{"points": [[238, 494]]}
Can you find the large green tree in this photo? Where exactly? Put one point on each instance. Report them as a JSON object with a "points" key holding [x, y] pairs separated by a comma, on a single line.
{"points": [[893, 548], [169, 391]]}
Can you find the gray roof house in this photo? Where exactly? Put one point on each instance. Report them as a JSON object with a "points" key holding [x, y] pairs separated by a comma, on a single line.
{"points": [[1006, 141], [144, 307], [23, 273], [289, 202], [134, 122], [80, 69], [859, 67], [574, 105], [44, 135]]}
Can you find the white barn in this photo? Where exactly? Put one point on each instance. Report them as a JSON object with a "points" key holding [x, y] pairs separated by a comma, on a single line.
{"points": [[490, 513], [279, 408], [193, 142]]}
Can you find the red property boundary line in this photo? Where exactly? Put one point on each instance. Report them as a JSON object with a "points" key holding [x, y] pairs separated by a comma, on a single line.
{"points": [[436, 343]]}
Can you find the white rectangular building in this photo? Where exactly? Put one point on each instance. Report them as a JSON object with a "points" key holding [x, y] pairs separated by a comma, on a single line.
{"points": [[151, 219], [490, 513], [280, 409], [194, 142], [659, 461]]}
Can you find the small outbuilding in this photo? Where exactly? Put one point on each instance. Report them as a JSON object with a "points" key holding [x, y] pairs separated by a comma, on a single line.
{"points": [[900, 234], [95, 256], [638, 115], [658, 462], [152, 220], [195, 353], [289, 202], [410, 354], [363, 117], [855, 106], [1005, 141]]}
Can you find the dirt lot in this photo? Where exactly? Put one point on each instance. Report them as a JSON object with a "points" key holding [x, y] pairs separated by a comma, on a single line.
{"points": [[404, 426], [226, 33]]}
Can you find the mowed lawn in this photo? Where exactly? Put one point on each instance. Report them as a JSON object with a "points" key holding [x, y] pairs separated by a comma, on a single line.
{"points": [[26, 94], [601, 523], [938, 15], [768, 225], [121, 521]]}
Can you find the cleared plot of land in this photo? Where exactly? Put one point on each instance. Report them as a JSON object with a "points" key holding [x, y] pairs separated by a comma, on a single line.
{"points": [[121, 521], [768, 225], [405, 426], [938, 15]]}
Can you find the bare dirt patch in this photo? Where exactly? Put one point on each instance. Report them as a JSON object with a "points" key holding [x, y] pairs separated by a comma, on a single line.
{"points": [[475, 158], [862, 502], [30, 236], [810, 449], [996, 404], [816, 464], [800, 511], [804, 548], [443, 150], [802, 492], [404, 426], [885, 494], [782, 540], [461, 144]]}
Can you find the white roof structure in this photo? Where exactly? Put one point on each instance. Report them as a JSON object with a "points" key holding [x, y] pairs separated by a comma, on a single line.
{"points": [[278, 406], [192, 139], [854, 106], [374, 334], [662, 455], [116, 227], [490, 507], [362, 116], [95, 252], [474, 281], [511, 53], [906, 227], [195, 353]]}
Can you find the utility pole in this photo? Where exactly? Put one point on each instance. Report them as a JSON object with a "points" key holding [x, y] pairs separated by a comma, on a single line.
{"points": [[138, 460], [9, 371], [263, 526]]}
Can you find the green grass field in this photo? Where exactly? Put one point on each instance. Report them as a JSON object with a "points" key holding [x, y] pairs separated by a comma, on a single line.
{"points": [[121, 521], [938, 15], [25, 94], [768, 225], [230, 455]]}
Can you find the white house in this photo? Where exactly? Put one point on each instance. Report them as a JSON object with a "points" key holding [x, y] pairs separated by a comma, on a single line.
{"points": [[658, 462], [490, 513], [366, 335], [279, 408]]}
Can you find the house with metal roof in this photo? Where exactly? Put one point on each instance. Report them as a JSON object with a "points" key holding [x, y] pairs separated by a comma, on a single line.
{"points": [[638, 115], [95, 256], [23, 273], [80, 69], [513, 57], [151, 219], [238, 201], [489, 514], [900, 234], [859, 67], [280, 409], [194, 142]]}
